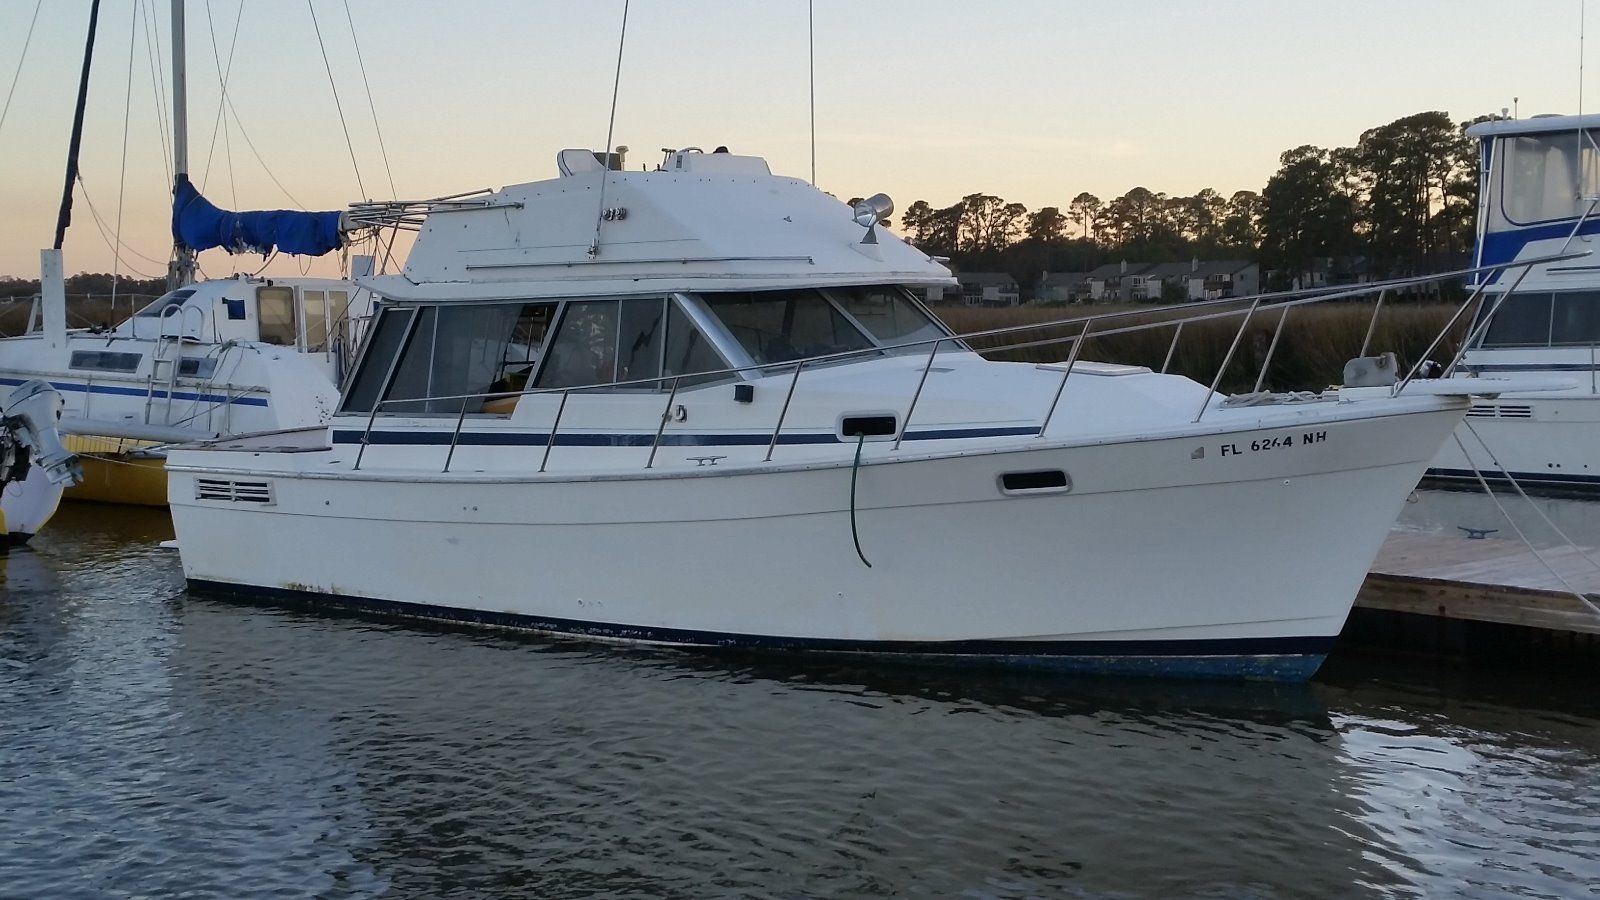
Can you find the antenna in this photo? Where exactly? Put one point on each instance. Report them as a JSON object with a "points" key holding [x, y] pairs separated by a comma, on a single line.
{"points": [[605, 172], [811, 52]]}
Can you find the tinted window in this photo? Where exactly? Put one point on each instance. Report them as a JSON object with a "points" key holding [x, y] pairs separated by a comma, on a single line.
{"points": [[689, 351], [603, 341], [104, 360], [778, 326], [456, 351], [1523, 320], [275, 315], [1576, 318], [316, 307], [887, 314], [382, 345], [160, 304]]}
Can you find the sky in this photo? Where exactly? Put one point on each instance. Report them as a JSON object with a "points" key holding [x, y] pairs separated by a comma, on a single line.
{"points": [[1032, 100]]}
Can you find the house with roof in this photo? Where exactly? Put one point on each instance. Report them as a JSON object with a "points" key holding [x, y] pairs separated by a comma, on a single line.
{"points": [[1120, 281], [1196, 279], [1061, 287], [988, 289]]}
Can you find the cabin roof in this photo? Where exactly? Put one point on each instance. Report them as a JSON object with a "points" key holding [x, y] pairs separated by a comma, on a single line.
{"points": [[1535, 125], [665, 231]]}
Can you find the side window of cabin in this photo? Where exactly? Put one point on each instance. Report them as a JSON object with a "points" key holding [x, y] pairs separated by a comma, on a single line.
{"points": [[688, 350], [275, 314], [315, 304], [1575, 319], [606, 341], [382, 344], [1523, 320], [453, 358]]}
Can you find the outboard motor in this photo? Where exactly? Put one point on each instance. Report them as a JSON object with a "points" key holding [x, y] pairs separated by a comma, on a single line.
{"points": [[29, 436]]}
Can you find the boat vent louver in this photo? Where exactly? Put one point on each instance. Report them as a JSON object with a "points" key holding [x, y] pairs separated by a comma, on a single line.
{"points": [[1500, 411], [257, 492]]}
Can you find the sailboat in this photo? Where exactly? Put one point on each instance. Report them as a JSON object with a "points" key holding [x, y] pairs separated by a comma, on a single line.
{"points": [[207, 358]]}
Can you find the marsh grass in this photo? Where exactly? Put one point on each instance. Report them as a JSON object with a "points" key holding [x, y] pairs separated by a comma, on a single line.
{"points": [[82, 312], [1317, 340]]}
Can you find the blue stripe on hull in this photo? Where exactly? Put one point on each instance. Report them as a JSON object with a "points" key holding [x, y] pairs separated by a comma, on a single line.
{"points": [[1289, 659], [74, 387]]}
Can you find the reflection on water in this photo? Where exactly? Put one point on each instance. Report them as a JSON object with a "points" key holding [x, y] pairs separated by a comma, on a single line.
{"points": [[152, 742]]}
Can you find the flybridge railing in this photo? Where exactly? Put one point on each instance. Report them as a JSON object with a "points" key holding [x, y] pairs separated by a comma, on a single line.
{"points": [[1083, 328]]}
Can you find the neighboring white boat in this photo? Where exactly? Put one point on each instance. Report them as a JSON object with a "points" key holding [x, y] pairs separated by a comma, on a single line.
{"points": [[707, 410], [218, 357], [221, 357], [1538, 193], [34, 465]]}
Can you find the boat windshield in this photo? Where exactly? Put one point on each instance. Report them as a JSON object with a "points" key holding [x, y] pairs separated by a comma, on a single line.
{"points": [[781, 326], [888, 314]]}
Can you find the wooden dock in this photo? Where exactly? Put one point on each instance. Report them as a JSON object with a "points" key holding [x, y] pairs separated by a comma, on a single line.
{"points": [[1451, 594]]}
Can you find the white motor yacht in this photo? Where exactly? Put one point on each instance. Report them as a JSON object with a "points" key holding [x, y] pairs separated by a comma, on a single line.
{"points": [[1538, 190], [701, 406]]}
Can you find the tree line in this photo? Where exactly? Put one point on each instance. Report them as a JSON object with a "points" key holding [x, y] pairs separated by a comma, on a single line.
{"points": [[1402, 200]]}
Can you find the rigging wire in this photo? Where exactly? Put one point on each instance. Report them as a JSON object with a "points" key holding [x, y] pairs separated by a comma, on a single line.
{"points": [[237, 123], [334, 89], [83, 189], [811, 52], [611, 123], [158, 90], [6, 110], [105, 235], [370, 104], [122, 180], [220, 123]]}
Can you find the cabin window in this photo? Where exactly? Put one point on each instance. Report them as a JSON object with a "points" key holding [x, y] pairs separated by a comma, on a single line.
{"points": [[166, 301], [275, 315], [689, 351], [453, 354], [382, 346], [888, 314], [606, 341], [339, 316], [1523, 320], [315, 305], [1575, 319], [1546, 176], [104, 361], [779, 326]]}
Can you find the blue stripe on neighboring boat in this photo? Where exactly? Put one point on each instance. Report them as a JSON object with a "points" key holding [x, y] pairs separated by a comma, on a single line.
{"points": [[582, 439], [1530, 478], [1504, 246], [74, 387], [1270, 659], [1532, 367]]}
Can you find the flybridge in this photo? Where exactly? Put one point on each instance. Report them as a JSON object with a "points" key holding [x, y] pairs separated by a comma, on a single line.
{"points": [[699, 221]]}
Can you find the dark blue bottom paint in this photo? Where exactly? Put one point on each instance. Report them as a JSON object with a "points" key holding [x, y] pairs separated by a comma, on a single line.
{"points": [[1257, 659]]}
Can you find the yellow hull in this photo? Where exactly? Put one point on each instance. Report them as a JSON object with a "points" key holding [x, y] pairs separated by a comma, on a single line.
{"points": [[116, 471]]}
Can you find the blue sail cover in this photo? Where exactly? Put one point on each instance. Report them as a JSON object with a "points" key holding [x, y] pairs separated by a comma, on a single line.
{"points": [[199, 224]]}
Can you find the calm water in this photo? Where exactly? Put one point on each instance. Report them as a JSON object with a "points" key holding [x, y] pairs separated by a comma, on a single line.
{"points": [[154, 743]]}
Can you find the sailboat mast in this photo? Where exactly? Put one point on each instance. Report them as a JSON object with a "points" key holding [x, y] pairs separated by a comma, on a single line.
{"points": [[181, 270]]}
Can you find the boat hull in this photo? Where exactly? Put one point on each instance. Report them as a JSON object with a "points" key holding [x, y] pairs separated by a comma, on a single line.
{"points": [[118, 471], [1193, 555], [1542, 441]]}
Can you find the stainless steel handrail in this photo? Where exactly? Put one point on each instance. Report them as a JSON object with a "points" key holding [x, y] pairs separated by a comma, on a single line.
{"points": [[1283, 301]]}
